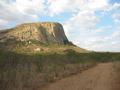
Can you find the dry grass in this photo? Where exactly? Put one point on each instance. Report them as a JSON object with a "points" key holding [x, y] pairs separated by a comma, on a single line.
{"points": [[30, 48], [31, 72]]}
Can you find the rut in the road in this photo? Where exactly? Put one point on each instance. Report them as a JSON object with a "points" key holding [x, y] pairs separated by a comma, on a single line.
{"points": [[101, 77]]}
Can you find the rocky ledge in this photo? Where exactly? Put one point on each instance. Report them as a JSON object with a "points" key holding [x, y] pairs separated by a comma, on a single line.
{"points": [[44, 32]]}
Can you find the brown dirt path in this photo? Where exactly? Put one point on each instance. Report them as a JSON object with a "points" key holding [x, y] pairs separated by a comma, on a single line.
{"points": [[101, 77]]}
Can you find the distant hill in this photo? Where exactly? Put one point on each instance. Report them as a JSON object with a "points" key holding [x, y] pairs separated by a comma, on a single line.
{"points": [[34, 35], [45, 32]]}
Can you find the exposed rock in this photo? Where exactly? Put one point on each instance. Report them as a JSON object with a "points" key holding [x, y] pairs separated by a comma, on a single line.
{"points": [[45, 32], [38, 49]]}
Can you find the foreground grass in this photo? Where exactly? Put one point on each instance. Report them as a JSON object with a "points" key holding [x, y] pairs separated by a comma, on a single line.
{"points": [[31, 72]]}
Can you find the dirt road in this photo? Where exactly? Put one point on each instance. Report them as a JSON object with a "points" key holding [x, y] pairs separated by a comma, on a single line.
{"points": [[101, 77]]}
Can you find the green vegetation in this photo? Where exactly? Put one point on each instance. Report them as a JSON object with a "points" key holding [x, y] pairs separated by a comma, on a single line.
{"points": [[31, 72]]}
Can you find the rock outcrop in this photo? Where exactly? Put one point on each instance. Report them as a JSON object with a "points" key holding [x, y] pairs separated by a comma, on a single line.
{"points": [[45, 32]]}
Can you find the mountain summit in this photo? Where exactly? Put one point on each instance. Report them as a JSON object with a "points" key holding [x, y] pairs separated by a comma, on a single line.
{"points": [[44, 32]]}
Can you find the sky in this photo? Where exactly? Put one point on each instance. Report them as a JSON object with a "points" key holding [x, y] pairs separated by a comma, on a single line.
{"points": [[90, 24]]}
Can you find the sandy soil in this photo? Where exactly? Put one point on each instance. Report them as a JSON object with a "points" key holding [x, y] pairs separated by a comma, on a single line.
{"points": [[101, 77]]}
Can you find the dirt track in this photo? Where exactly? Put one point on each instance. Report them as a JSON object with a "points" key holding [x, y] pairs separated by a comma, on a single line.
{"points": [[101, 77]]}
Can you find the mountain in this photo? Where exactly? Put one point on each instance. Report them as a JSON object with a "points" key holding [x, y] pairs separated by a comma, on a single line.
{"points": [[44, 32], [35, 54], [34, 37]]}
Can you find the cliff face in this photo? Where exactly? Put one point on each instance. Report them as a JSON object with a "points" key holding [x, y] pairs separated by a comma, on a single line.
{"points": [[45, 32]]}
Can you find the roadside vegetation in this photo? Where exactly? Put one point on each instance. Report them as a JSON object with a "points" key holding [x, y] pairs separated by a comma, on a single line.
{"points": [[23, 69], [31, 72]]}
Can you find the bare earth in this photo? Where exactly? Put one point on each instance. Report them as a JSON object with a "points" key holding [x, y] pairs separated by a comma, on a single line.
{"points": [[101, 77]]}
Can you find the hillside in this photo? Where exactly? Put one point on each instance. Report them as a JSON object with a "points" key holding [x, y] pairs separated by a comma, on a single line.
{"points": [[36, 37], [45, 32]]}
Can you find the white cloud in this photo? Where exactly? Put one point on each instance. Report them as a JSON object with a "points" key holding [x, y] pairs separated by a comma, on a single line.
{"points": [[98, 4], [81, 30], [116, 17], [32, 7], [97, 42], [21, 11], [114, 6], [82, 23], [60, 6], [3, 24], [85, 19], [57, 6]]}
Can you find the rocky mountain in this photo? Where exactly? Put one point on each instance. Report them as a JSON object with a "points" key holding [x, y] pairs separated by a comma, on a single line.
{"points": [[44, 32]]}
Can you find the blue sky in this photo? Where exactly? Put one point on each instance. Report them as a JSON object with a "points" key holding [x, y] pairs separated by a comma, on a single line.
{"points": [[90, 24]]}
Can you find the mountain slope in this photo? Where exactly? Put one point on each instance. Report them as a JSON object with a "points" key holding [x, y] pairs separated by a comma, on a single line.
{"points": [[46, 32], [36, 37]]}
